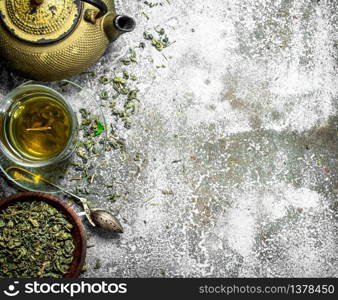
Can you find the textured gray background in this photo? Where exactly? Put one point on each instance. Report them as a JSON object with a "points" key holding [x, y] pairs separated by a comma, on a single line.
{"points": [[238, 143]]}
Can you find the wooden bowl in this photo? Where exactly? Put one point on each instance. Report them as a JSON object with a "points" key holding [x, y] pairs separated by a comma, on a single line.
{"points": [[78, 231]]}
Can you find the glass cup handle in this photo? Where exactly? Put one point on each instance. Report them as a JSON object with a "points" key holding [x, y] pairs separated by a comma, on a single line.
{"points": [[73, 83], [64, 80], [26, 82]]}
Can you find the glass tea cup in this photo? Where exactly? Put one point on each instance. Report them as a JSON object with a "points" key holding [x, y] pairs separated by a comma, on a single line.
{"points": [[38, 127]]}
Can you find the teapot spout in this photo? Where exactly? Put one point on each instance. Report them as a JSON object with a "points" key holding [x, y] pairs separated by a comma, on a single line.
{"points": [[114, 26]]}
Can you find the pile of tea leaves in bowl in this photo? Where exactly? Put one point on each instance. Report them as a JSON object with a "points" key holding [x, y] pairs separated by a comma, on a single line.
{"points": [[35, 241]]}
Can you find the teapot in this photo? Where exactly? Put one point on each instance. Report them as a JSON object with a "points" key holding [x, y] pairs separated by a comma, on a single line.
{"points": [[49, 40]]}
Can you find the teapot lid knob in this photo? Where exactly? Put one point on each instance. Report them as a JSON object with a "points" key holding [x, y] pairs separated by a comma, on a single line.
{"points": [[36, 2], [40, 21]]}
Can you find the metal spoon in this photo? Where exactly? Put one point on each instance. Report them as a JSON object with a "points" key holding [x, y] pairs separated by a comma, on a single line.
{"points": [[95, 216]]}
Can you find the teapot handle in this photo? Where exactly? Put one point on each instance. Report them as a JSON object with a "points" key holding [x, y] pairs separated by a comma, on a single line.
{"points": [[100, 5]]}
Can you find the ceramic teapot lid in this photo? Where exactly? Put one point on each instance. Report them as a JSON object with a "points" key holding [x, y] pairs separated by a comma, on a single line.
{"points": [[40, 21]]}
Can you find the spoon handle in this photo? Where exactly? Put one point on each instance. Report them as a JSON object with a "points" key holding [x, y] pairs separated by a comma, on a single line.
{"points": [[82, 200], [39, 178]]}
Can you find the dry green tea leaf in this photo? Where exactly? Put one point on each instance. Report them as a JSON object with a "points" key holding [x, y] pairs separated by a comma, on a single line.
{"points": [[35, 241]]}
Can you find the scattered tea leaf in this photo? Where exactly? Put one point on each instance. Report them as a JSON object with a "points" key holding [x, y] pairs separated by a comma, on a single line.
{"points": [[98, 264]]}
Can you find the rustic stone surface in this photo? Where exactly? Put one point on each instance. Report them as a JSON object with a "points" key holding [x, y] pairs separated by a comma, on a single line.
{"points": [[238, 139]]}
